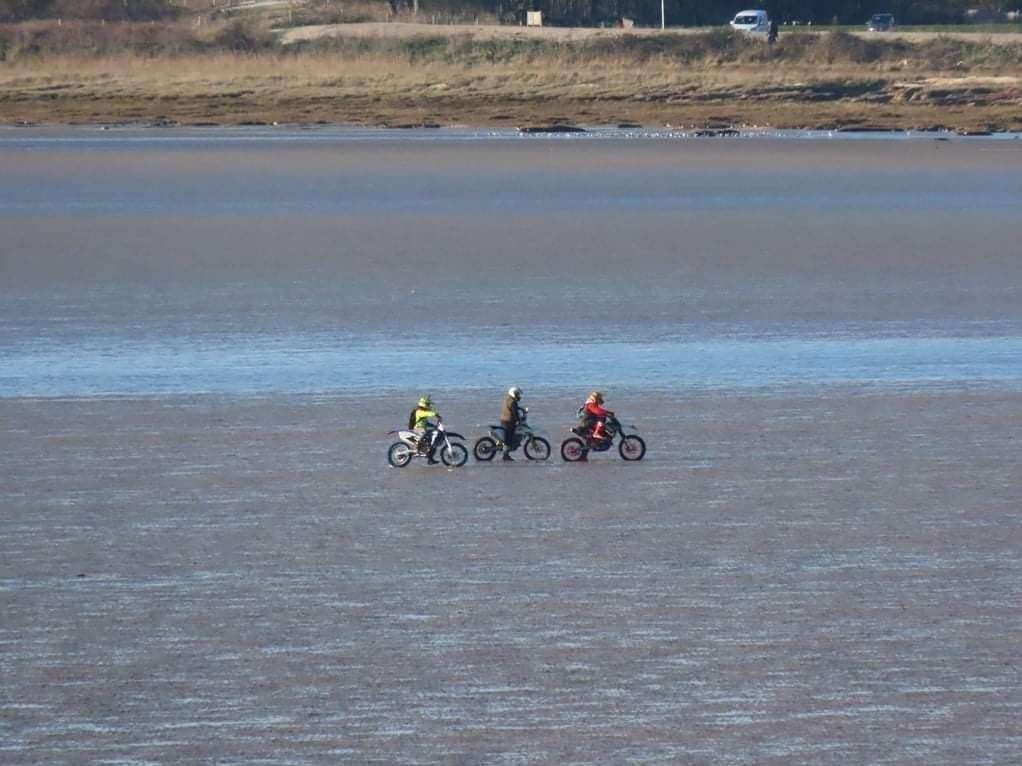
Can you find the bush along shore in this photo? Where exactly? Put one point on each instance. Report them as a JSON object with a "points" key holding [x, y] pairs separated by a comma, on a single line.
{"points": [[240, 73]]}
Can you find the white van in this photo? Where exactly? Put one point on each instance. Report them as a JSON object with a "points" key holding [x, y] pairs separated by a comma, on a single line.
{"points": [[756, 22]]}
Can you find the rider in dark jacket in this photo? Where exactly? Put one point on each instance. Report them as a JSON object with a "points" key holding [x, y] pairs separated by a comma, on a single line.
{"points": [[510, 417]]}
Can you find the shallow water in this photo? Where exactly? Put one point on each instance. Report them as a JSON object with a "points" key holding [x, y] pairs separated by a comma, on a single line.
{"points": [[310, 364], [330, 261]]}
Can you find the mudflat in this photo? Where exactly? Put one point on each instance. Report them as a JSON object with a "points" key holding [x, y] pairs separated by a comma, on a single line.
{"points": [[205, 336], [823, 578]]}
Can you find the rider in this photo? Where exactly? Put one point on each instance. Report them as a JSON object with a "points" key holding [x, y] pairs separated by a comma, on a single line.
{"points": [[423, 419], [594, 416], [511, 415]]}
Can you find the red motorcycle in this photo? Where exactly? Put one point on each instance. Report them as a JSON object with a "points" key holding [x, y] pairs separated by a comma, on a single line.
{"points": [[629, 446]]}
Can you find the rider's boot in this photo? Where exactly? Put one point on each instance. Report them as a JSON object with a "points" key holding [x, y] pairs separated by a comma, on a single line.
{"points": [[508, 458]]}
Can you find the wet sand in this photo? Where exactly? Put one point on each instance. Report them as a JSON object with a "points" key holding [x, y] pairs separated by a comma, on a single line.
{"points": [[810, 573], [816, 577]]}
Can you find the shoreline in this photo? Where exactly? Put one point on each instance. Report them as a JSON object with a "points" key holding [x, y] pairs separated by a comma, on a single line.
{"points": [[631, 131], [695, 123]]}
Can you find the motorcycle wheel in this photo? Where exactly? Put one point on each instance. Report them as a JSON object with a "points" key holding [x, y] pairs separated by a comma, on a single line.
{"points": [[485, 449], [399, 455], [632, 447], [454, 455], [537, 448], [573, 449]]}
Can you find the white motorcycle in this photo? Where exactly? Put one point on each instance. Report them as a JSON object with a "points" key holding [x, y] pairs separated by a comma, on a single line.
{"points": [[535, 447], [438, 440]]}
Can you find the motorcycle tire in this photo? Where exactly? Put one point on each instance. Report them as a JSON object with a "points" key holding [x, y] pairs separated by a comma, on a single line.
{"points": [[573, 449], [632, 447], [400, 454], [537, 448], [485, 449], [454, 455]]}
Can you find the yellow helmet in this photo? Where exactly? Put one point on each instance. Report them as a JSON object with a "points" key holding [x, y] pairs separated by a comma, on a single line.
{"points": [[425, 402]]}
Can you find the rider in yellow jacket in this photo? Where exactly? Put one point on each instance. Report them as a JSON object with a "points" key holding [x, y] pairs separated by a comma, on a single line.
{"points": [[423, 419]]}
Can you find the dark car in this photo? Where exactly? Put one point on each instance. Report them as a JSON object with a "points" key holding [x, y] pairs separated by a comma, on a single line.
{"points": [[880, 22]]}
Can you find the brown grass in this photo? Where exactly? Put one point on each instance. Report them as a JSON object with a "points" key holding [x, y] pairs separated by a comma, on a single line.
{"points": [[715, 79]]}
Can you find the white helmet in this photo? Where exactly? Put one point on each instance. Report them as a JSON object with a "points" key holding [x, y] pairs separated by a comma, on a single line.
{"points": [[515, 393]]}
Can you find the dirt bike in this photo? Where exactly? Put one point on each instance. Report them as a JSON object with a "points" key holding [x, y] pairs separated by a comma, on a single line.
{"points": [[412, 444], [630, 446], [535, 447]]}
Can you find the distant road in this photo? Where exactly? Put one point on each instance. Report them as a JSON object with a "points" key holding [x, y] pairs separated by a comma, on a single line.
{"points": [[493, 31], [244, 5]]}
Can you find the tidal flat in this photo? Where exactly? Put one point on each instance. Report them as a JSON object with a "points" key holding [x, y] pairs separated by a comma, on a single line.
{"points": [[205, 336]]}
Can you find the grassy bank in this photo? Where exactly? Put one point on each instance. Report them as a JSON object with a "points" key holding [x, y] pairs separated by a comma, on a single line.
{"points": [[237, 73]]}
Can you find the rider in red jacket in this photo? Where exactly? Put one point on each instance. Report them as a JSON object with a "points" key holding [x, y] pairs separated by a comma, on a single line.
{"points": [[594, 413]]}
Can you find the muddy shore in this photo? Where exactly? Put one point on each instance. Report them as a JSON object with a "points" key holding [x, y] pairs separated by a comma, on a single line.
{"points": [[977, 105], [825, 576]]}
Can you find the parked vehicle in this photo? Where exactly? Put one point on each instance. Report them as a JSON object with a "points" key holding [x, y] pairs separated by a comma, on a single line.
{"points": [[880, 22], [452, 453], [752, 22], [535, 447], [630, 446]]}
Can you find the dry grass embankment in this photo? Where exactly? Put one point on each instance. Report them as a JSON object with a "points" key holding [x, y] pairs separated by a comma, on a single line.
{"points": [[236, 73]]}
